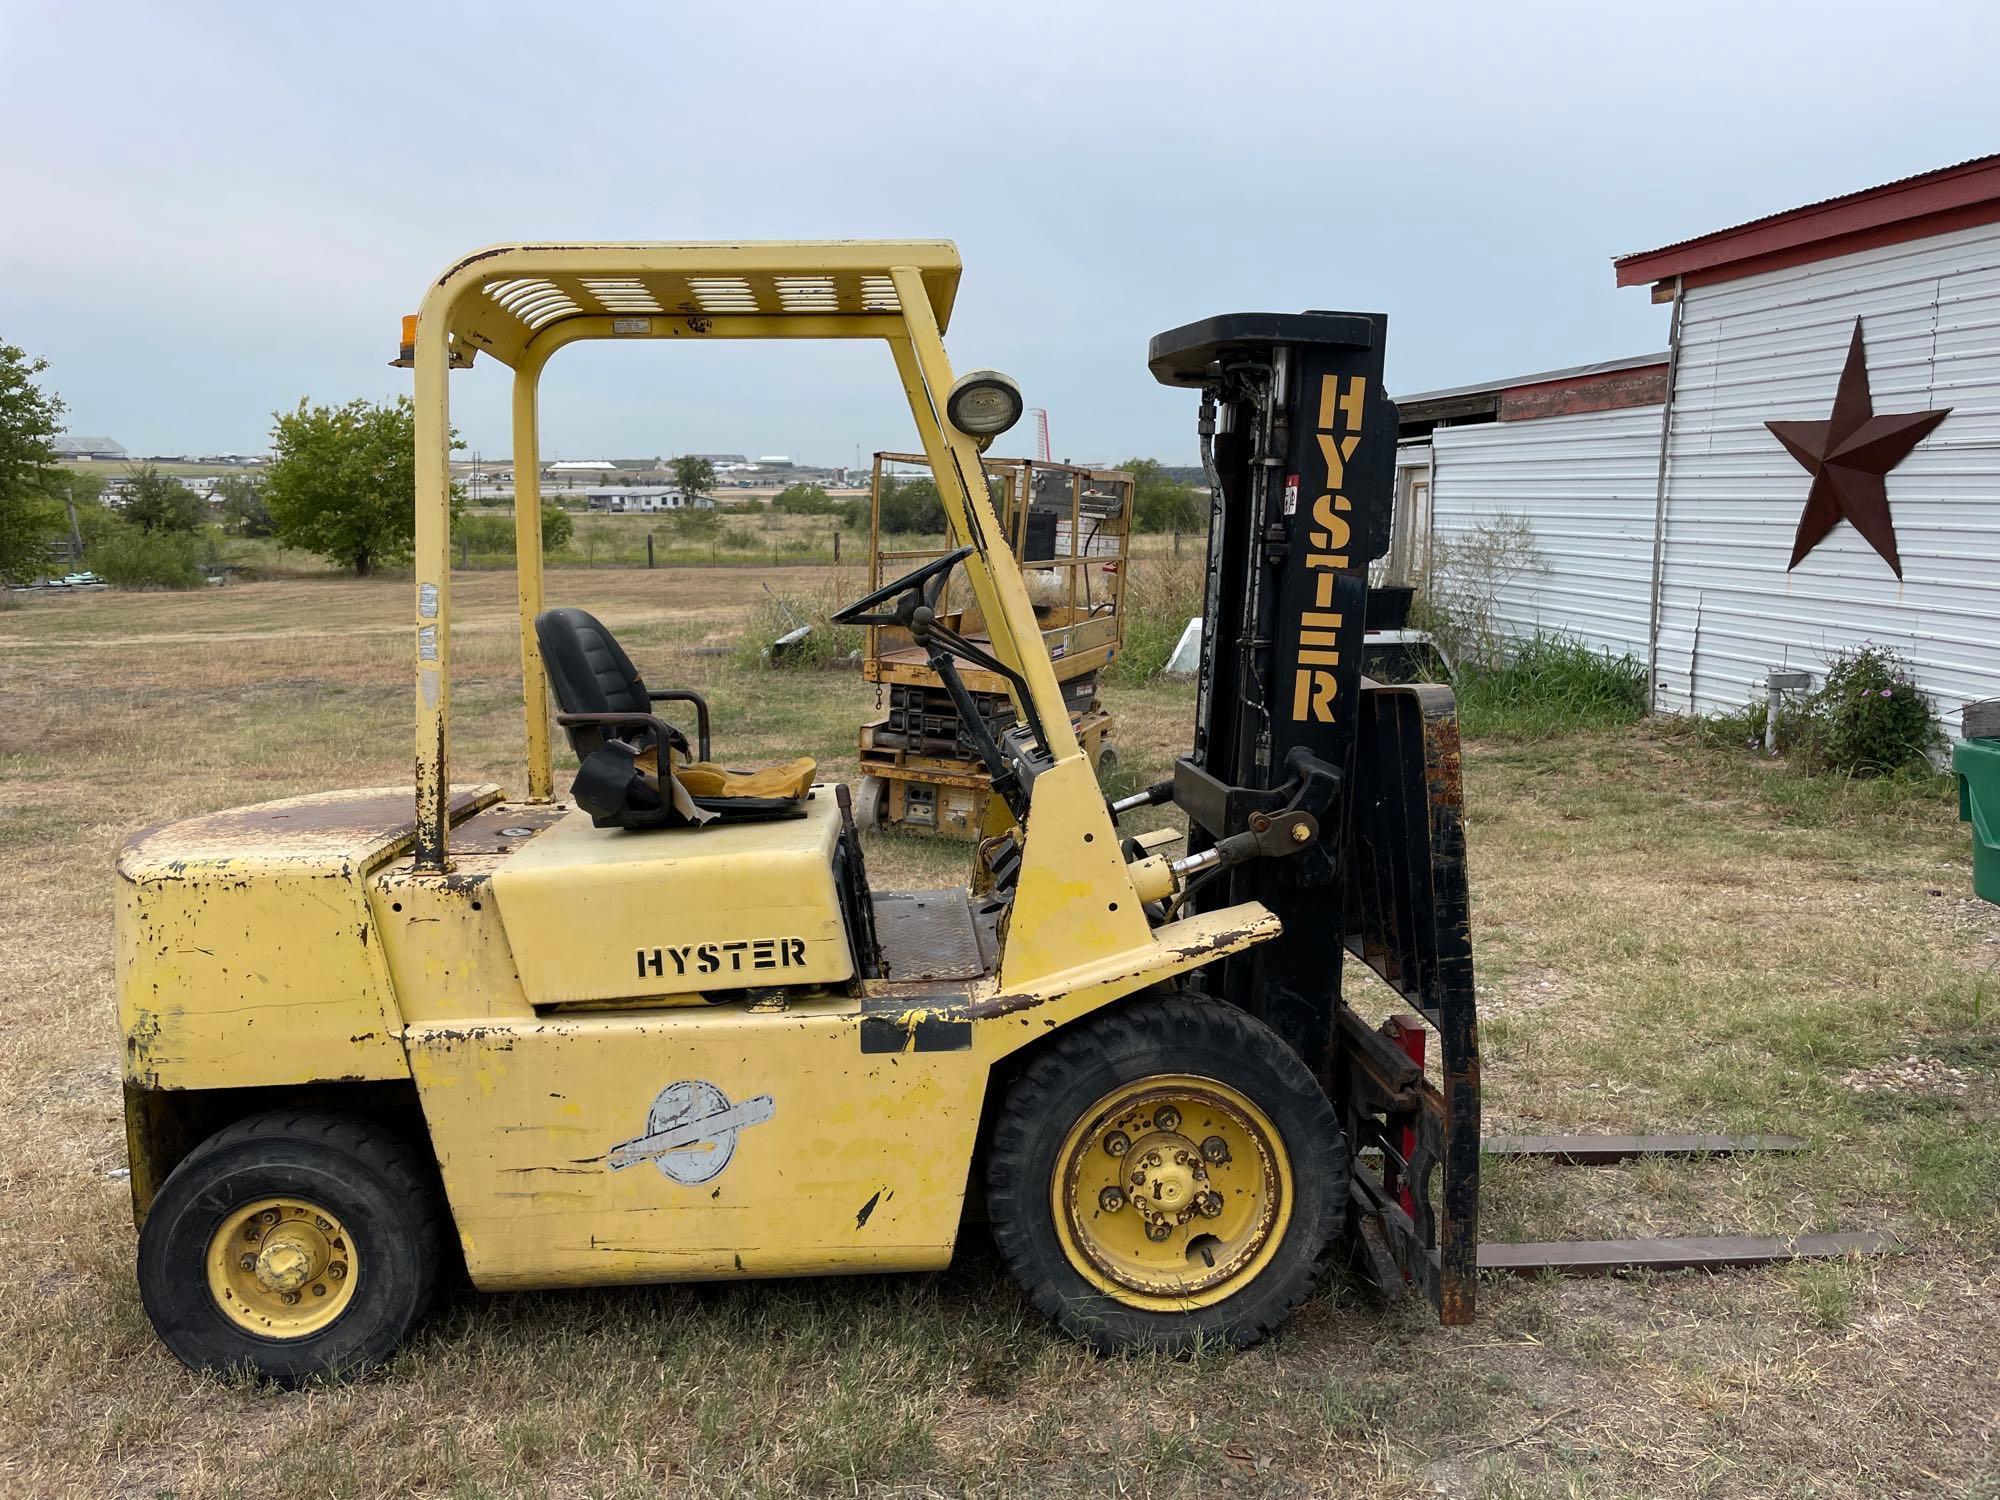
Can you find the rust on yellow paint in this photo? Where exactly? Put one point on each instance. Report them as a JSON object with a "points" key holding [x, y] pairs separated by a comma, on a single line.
{"points": [[247, 955]]}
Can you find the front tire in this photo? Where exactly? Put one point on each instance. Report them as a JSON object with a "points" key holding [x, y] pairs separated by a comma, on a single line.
{"points": [[291, 1244], [1167, 1175]]}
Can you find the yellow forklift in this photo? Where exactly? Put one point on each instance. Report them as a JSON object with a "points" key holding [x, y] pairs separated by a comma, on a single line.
{"points": [[1068, 526], [662, 1028]]}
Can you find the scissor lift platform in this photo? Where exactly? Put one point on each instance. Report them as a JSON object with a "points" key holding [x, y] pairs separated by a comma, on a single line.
{"points": [[1070, 526]]}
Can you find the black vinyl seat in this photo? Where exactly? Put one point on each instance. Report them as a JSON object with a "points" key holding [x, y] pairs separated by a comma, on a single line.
{"points": [[608, 713]]}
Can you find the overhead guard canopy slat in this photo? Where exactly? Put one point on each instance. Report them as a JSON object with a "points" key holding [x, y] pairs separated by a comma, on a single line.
{"points": [[506, 295]]}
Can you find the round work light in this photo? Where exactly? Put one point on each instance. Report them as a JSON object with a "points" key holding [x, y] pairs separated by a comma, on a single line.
{"points": [[983, 404]]}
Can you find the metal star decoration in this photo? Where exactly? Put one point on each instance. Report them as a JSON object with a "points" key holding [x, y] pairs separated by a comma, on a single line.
{"points": [[1849, 457]]}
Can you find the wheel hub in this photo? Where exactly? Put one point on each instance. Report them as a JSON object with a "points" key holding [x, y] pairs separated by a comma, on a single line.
{"points": [[1168, 1177], [281, 1267], [290, 1258], [1171, 1190]]}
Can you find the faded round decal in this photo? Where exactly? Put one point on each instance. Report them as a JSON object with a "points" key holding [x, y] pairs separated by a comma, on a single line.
{"points": [[691, 1132]]}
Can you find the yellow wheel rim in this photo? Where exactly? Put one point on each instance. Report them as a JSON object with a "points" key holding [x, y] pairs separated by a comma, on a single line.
{"points": [[1171, 1192], [282, 1268]]}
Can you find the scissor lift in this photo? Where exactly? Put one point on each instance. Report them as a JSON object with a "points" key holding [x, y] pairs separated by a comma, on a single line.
{"points": [[1069, 526]]}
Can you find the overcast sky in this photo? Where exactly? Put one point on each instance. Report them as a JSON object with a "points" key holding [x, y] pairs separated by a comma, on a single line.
{"points": [[209, 211]]}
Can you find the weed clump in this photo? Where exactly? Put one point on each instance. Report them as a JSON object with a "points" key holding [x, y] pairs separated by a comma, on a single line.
{"points": [[1549, 684], [825, 644]]}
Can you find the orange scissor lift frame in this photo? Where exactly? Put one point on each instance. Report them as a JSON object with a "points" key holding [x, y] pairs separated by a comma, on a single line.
{"points": [[1071, 526]]}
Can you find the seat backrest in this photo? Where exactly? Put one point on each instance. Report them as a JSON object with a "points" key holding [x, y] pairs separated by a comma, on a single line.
{"points": [[588, 669]]}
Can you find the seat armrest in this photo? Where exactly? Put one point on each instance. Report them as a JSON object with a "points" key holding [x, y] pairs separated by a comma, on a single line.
{"points": [[687, 695], [664, 732]]}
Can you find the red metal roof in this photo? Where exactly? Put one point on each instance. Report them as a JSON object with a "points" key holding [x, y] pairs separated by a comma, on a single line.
{"points": [[1954, 197]]}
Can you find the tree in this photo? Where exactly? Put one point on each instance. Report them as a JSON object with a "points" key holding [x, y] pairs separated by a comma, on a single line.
{"points": [[693, 476], [804, 500], [911, 505], [343, 481], [30, 516], [159, 502], [1160, 503], [557, 527], [244, 512]]}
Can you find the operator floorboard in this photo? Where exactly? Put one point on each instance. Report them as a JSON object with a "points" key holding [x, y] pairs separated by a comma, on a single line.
{"points": [[931, 935]]}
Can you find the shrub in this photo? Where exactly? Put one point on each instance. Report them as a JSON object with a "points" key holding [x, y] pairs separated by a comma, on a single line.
{"points": [[130, 558], [482, 536], [803, 500], [1549, 684], [1869, 718], [828, 645], [1467, 575], [910, 505], [694, 522]]}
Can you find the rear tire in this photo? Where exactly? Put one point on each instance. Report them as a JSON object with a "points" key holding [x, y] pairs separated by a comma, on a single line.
{"points": [[291, 1244], [1167, 1175]]}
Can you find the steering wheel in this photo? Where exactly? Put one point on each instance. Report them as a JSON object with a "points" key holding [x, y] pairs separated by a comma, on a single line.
{"points": [[910, 583]]}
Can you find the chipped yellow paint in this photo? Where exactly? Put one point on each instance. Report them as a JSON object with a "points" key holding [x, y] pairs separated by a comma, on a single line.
{"points": [[246, 952], [525, 1117], [861, 1164]]}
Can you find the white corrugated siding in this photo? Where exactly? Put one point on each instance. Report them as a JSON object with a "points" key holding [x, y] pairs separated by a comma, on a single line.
{"points": [[1588, 484], [1771, 347]]}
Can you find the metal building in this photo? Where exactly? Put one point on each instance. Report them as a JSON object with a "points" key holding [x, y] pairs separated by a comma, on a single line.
{"points": [[1819, 469], [1575, 453]]}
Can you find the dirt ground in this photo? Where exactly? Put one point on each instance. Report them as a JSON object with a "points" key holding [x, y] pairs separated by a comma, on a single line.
{"points": [[1669, 937]]}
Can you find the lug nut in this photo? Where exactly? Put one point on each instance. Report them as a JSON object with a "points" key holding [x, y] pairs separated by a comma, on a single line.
{"points": [[323, 1224], [1139, 1179], [250, 1233], [1158, 1229], [1210, 1205], [1111, 1200], [291, 1299], [269, 1216], [319, 1289], [336, 1270], [1215, 1148], [248, 1262], [1167, 1117], [1116, 1144], [1152, 1158]]}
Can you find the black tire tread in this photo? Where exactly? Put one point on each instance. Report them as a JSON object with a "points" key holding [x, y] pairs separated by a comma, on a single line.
{"points": [[392, 1163], [1135, 1030], [384, 1153]]}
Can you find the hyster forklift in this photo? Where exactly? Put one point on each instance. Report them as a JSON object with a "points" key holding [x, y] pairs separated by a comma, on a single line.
{"points": [[663, 1029], [921, 767]]}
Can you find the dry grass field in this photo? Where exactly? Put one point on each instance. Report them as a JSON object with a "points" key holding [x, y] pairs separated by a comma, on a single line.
{"points": [[1670, 936]]}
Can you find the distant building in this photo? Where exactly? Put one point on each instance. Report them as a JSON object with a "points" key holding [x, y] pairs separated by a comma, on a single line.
{"points": [[73, 445], [620, 499]]}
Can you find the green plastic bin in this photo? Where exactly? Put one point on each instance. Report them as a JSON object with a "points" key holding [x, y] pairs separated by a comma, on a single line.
{"points": [[1977, 763]]}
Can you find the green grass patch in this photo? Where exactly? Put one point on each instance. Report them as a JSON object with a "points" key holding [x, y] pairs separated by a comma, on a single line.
{"points": [[1550, 684]]}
